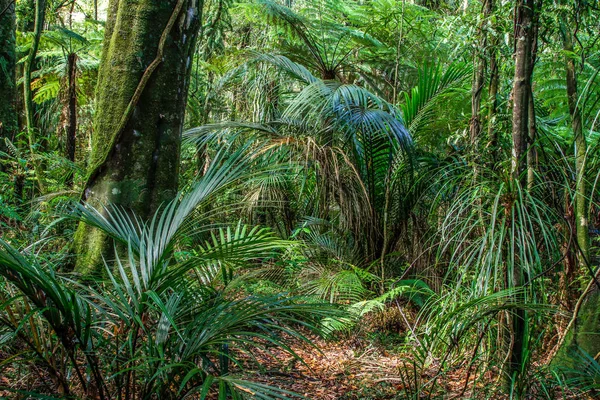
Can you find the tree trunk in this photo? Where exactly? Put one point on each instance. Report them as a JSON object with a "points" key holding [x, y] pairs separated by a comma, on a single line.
{"points": [[582, 333], [532, 157], [479, 71], [8, 113], [494, 85], [532, 137], [141, 97], [71, 111], [581, 218], [524, 33], [40, 12]]}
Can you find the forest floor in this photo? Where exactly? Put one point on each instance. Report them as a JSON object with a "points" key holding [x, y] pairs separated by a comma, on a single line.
{"points": [[354, 369]]}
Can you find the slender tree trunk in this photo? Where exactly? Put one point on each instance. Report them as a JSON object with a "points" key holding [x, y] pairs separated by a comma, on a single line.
{"points": [[567, 276], [532, 137], [583, 331], [479, 60], [8, 112], [494, 84], [40, 12], [532, 158], [581, 218], [524, 32], [72, 110], [142, 90], [523, 36]]}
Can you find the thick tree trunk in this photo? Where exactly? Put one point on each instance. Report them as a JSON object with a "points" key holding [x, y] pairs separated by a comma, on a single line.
{"points": [[582, 333], [8, 113], [142, 89]]}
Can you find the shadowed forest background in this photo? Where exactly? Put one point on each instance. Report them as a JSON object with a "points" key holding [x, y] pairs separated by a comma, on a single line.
{"points": [[321, 199]]}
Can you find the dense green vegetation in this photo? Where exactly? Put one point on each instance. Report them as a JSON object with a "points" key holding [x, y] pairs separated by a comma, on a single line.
{"points": [[191, 188]]}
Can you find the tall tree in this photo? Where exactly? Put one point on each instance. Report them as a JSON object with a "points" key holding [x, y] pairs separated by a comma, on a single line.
{"points": [[479, 73], [70, 44], [141, 96], [582, 333], [8, 114], [493, 87], [71, 127], [524, 38], [532, 157], [582, 225]]}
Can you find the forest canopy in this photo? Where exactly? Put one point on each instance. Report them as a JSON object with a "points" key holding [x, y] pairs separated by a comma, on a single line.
{"points": [[321, 199]]}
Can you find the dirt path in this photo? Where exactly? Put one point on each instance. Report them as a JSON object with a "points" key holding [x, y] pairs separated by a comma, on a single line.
{"points": [[346, 369]]}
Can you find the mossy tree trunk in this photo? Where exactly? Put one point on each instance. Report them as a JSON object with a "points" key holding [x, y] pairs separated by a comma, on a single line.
{"points": [[8, 91], [581, 218], [141, 96], [583, 333]]}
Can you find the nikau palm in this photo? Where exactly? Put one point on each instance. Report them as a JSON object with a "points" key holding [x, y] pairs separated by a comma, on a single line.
{"points": [[164, 322], [418, 181]]}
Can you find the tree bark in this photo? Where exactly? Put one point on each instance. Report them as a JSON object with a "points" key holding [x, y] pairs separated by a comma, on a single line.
{"points": [[8, 113], [532, 157], [494, 85], [581, 218], [524, 36], [582, 333], [71, 110], [142, 89], [479, 72]]}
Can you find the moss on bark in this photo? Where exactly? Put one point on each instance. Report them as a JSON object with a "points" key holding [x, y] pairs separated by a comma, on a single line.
{"points": [[138, 167], [584, 332]]}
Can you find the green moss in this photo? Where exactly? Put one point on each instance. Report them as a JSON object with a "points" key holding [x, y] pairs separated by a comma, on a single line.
{"points": [[89, 248], [140, 166], [584, 334]]}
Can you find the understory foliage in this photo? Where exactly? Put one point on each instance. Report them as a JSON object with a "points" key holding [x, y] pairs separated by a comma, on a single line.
{"points": [[167, 320], [329, 185]]}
